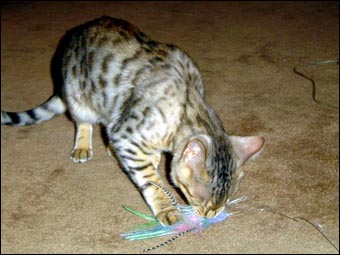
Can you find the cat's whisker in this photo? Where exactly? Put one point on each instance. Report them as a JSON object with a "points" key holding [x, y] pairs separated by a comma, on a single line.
{"points": [[238, 200]]}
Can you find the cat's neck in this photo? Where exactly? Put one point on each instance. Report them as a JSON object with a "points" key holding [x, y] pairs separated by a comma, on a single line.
{"points": [[198, 119]]}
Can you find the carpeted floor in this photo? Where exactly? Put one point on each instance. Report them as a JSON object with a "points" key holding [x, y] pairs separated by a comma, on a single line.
{"points": [[246, 52]]}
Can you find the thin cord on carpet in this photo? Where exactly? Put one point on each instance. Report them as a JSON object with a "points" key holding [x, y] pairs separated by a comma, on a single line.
{"points": [[313, 82], [317, 226]]}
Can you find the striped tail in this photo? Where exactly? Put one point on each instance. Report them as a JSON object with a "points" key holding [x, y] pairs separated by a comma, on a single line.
{"points": [[53, 106]]}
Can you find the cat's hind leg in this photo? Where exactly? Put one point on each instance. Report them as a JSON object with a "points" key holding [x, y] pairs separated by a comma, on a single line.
{"points": [[82, 150]]}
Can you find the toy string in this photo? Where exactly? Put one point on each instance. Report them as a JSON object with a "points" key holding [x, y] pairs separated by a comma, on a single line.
{"points": [[313, 82], [317, 226]]}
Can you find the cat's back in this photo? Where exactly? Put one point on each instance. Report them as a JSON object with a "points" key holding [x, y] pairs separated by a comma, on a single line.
{"points": [[109, 51], [108, 34], [111, 46], [109, 62]]}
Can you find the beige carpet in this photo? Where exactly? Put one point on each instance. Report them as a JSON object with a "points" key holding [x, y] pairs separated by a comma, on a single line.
{"points": [[246, 52]]}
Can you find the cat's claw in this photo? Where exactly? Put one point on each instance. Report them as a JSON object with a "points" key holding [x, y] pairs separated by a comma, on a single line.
{"points": [[81, 155], [169, 217]]}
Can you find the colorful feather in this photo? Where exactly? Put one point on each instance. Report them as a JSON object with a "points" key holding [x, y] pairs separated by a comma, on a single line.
{"points": [[191, 223]]}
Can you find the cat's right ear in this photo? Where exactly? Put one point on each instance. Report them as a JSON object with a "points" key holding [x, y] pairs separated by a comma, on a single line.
{"points": [[246, 147]]}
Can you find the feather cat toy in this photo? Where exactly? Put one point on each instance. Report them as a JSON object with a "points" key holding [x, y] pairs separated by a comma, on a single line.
{"points": [[191, 222]]}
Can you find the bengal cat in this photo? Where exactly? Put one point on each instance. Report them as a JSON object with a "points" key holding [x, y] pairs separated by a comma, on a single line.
{"points": [[149, 97]]}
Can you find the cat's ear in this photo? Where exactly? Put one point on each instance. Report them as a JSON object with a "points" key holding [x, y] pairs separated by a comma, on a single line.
{"points": [[194, 155], [246, 147]]}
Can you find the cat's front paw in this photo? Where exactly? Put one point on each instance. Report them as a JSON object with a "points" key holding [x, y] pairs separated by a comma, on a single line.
{"points": [[81, 155], [169, 217]]}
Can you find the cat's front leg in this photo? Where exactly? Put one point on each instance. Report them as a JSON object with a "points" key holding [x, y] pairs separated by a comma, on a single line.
{"points": [[82, 150], [159, 203], [142, 169]]}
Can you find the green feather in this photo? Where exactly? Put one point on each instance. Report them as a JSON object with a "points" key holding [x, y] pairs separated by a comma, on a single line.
{"points": [[149, 224], [140, 214]]}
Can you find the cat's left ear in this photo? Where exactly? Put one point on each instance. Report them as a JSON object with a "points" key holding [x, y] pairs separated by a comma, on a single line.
{"points": [[195, 171], [246, 147], [194, 156]]}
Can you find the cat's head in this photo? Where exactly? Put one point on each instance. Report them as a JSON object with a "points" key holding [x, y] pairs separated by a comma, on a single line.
{"points": [[204, 169]]}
